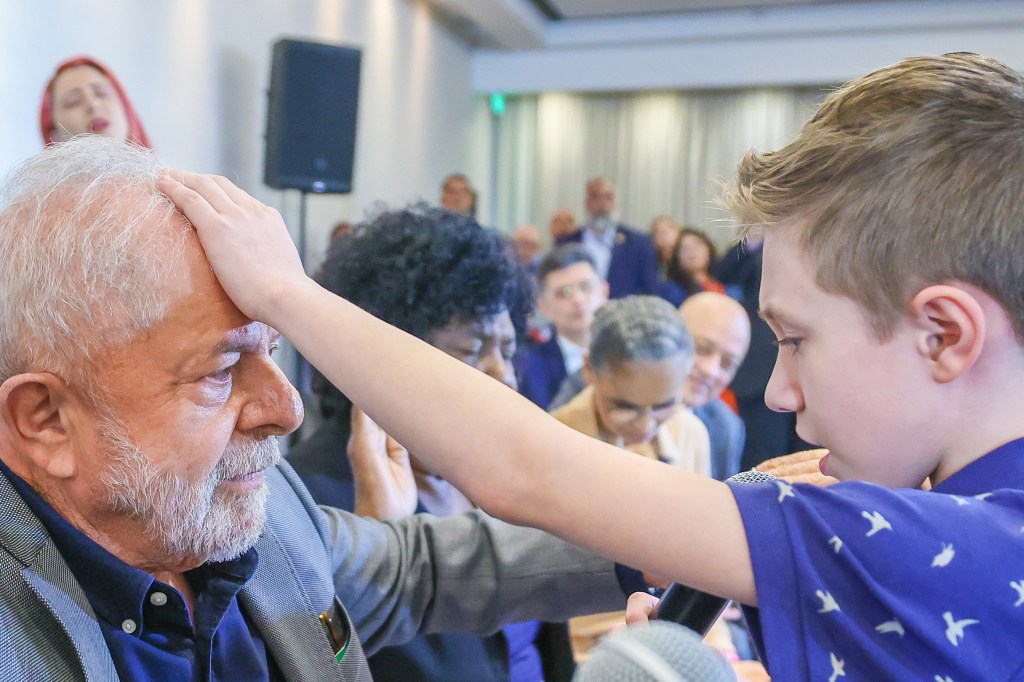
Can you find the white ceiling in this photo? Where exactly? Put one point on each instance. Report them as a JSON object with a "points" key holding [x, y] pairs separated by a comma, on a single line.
{"points": [[511, 25], [589, 9]]}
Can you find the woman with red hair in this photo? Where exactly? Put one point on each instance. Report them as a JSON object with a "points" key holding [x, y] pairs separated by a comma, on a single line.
{"points": [[84, 96]]}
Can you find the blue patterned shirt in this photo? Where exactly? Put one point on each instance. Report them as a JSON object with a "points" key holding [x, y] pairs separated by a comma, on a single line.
{"points": [[861, 582]]}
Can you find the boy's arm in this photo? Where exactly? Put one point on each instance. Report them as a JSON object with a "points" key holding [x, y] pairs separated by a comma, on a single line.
{"points": [[494, 445]]}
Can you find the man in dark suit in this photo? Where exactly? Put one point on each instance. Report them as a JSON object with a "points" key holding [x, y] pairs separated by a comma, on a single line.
{"points": [[721, 337], [625, 257], [570, 294], [769, 433]]}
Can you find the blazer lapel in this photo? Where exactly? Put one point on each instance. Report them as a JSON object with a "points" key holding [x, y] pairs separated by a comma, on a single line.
{"points": [[48, 576], [59, 592], [286, 612]]}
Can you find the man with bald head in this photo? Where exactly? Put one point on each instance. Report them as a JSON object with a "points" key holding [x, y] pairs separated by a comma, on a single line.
{"points": [[150, 529], [525, 240], [721, 337], [562, 224], [624, 257]]}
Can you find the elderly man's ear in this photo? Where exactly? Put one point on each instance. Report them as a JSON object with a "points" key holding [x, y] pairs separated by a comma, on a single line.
{"points": [[36, 412]]}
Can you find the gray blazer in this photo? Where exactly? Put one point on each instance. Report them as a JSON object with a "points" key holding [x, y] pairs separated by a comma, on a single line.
{"points": [[468, 572]]}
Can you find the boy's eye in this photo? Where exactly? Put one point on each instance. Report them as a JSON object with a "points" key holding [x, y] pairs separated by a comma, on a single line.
{"points": [[789, 341]]}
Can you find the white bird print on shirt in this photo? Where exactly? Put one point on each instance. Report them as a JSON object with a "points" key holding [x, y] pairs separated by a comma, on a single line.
{"points": [[943, 678], [959, 500], [890, 626], [878, 522], [943, 558], [785, 490], [837, 667], [955, 628], [828, 602], [1019, 586], [983, 496], [836, 543]]}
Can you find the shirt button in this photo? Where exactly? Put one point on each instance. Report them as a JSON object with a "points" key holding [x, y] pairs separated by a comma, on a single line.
{"points": [[128, 626], [158, 599]]}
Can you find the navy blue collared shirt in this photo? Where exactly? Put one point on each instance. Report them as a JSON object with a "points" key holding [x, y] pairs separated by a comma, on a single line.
{"points": [[147, 624], [864, 582]]}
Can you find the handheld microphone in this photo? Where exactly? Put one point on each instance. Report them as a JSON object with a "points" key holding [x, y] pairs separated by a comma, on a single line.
{"points": [[695, 609], [657, 651]]}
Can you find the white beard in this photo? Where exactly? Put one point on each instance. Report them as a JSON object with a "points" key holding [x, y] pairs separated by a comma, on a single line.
{"points": [[193, 521]]}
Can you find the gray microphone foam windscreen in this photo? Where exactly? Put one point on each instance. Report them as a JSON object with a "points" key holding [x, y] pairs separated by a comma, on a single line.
{"points": [[658, 651]]}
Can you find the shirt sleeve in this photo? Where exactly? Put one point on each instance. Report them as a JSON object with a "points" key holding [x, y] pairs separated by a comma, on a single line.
{"points": [[864, 582]]}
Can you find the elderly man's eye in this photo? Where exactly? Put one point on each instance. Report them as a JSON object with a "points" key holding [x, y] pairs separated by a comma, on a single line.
{"points": [[221, 375]]}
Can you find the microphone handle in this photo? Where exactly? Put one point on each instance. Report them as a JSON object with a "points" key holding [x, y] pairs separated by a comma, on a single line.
{"points": [[695, 609]]}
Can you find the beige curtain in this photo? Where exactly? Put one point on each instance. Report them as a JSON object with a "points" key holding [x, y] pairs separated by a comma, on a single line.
{"points": [[666, 151]]}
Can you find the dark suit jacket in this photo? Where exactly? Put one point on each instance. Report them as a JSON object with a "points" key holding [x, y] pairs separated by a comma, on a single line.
{"points": [[634, 265], [742, 267], [543, 372], [727, 435], [323, 465]]}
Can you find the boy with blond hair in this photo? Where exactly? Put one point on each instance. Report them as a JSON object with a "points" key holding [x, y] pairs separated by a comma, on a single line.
{"points": [[893, 236]]}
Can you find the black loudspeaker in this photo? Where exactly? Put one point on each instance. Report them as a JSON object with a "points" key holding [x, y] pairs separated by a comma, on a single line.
{"points": [[311, 117]]}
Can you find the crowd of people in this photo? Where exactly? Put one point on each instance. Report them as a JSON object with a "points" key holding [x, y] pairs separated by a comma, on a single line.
{"points": [[140, 409]]}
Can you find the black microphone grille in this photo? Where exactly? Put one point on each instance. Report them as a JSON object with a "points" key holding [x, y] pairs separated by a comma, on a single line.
{"points": [[658, 651], [751, 476]]}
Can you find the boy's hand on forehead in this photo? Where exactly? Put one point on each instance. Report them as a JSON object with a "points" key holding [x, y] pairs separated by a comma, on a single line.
{"points": [[799, 467], [245, 240]]}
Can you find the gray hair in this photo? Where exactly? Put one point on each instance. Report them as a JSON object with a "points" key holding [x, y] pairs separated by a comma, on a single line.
{"points": [[88, 246], [637, 328]]}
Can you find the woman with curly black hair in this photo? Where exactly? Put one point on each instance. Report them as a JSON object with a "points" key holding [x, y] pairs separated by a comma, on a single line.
{"points": [[441, 277]]}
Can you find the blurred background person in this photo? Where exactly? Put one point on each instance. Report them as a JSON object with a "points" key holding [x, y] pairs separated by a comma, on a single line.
{"points": [[441, 277], [622, 256], [570, 294], [561, 225], [721, 337], [696, 254], [525, 240], [664, 232], [342, 228], [458, 195], [769, 433], [84, 96], [636, 368], [689, 267]]}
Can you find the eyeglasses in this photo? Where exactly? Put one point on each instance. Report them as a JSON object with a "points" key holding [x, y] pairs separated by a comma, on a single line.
{"points": [[626, 412]]}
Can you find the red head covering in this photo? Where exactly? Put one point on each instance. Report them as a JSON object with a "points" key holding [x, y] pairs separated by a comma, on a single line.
{"points": [[136, 133]]}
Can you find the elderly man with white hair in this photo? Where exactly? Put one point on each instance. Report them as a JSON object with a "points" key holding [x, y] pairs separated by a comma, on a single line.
{"points": [[150, 529]]}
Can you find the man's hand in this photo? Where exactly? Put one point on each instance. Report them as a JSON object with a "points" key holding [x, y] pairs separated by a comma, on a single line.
{"points": [[799, 467], [246, 241], [384, 484], [640, 608]]}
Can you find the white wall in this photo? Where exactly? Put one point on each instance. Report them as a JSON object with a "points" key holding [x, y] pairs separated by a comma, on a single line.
{"points": [[197, 72]]}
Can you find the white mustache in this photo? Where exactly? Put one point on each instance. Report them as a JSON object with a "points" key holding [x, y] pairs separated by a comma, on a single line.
{"points": [[247, 458]]}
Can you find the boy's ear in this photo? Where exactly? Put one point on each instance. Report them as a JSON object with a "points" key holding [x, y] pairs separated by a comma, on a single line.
{"points": [[34, 412], [952, 325]]}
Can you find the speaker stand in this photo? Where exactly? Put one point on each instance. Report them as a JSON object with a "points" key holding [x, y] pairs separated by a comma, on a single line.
{"points": [[303, 370]]}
